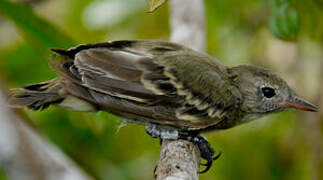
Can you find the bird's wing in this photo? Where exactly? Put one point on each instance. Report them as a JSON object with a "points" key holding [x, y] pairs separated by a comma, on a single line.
{"points": [[204, 86], [143, 72]]}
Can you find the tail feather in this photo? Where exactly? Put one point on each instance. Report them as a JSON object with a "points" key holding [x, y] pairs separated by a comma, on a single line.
{"points": [[36, 96]]}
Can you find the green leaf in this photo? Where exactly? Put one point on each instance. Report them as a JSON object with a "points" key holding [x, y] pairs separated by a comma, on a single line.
{"points": [[154, 4], [37, 31], [284, 20]]}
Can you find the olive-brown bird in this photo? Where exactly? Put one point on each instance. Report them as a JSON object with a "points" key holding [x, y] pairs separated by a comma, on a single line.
{"points": [[173, 90]]}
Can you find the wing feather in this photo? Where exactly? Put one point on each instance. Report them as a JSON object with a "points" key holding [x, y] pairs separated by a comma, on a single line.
{"points": [[188, 88], [108, 63]]}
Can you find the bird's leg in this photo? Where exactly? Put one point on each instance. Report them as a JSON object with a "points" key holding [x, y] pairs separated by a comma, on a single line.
{"points": [[206, 150], [156, 131]]}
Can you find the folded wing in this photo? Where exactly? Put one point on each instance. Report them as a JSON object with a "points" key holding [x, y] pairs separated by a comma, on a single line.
{"points": [[156, 81]]}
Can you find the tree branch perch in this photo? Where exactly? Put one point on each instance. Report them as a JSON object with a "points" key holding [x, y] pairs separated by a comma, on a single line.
{"points": [[179, 159]]}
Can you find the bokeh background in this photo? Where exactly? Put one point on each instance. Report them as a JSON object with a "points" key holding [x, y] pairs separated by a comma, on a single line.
{"points": [[285, 36]]}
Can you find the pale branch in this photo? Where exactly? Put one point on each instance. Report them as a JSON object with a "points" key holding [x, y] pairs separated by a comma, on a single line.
{"points": [[179, 159]]}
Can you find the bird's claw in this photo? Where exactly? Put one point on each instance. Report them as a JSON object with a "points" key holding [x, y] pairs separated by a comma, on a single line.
{"points": [[213, 159], [209, 163], [217, 156], [206, 150]]}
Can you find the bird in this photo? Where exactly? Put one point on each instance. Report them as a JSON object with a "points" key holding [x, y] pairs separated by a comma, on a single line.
{"points": [[175, 91]]}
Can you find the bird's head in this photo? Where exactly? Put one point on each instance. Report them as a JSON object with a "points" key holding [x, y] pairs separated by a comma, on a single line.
{"points": [[264, 92]]}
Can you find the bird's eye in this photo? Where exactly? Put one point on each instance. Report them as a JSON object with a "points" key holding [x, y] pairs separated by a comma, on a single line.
{"points": [[268, 92]]}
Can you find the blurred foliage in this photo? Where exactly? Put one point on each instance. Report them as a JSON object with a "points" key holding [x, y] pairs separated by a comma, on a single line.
{"points": [[284, 21], [2, 175], [270, 148], [38, 32]]}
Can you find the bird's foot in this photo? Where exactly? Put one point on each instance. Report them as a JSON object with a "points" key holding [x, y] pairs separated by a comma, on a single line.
{"points": [[205, 148], [207, 152]]}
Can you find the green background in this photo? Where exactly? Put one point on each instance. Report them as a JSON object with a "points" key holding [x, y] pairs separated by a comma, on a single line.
{"points": [[279, 146]]}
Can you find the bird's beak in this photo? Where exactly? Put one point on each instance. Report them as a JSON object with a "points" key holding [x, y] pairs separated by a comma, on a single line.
{"points": [[298, 103]]}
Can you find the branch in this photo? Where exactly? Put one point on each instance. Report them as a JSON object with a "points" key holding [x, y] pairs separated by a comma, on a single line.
{"points": [[187, 22], [26, 155], [180, 159]]}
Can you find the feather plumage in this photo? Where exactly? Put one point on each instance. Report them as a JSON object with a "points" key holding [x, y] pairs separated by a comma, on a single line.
{"points": [[150, 81]]}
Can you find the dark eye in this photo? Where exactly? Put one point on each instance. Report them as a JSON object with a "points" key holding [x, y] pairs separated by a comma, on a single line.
{"points": [[268, 92]]}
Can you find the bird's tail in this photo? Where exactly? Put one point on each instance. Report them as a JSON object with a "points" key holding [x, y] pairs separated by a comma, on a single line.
{"points": [[36, 96]]}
